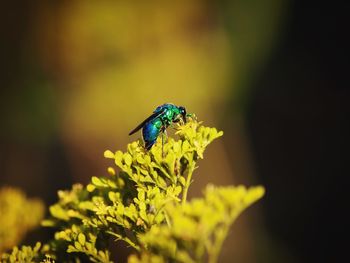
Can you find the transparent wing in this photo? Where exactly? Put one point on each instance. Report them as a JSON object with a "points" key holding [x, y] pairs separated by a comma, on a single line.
{"points": [[153, 116]]}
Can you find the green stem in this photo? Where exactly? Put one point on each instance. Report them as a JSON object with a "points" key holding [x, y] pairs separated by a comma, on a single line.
{"points": [[214, 251], [167, 219], [220, 236], [188, 181], [125, 238], [164, 172]]}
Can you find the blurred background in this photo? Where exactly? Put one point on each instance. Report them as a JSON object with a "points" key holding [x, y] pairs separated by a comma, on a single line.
{"points": [[77, 76]]}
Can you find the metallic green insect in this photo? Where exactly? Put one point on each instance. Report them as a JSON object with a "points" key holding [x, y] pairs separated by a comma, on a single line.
{"points": [[163, 116]]}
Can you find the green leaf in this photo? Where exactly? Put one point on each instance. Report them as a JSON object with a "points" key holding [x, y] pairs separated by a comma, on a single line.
{"points": [[127, 159], [120, 209], [77, 245], [102, 254], [108, 154], [88, 245], [58, 212], [177, 190], [86, 205], [71, 249], [81, 239], [48, 223], [90, 187], [186, 146], [140, 159], [118, 157], [97, 181], [141, 194]]}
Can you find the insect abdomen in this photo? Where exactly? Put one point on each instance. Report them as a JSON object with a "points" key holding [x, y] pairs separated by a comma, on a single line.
{"points": [[150, 132]]}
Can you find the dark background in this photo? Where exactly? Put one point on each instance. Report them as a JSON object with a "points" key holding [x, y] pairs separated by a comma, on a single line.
{"points": [[297, 118], [299, 126]]}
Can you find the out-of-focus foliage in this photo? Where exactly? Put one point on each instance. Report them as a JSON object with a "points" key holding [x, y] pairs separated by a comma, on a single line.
{"points": [[28, 254], [18, 215], [197, 228], [145, 205], [172, 51]]}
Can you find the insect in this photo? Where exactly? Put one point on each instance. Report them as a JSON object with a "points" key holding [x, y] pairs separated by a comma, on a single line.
{"points": [[163, 116]]}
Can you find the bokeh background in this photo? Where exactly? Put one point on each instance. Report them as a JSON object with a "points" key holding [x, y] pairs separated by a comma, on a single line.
{"points": [[77, 76]]}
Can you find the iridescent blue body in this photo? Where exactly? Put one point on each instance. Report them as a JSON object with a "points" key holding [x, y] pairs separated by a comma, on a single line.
{"points": [[161, 118]]}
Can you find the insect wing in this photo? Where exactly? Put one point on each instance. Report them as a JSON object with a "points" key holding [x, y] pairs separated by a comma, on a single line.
{"points": [[154, 115]]}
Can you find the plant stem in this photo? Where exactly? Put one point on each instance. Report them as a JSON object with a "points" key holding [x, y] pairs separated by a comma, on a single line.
{"points": [[188, 181], [216, 247], [167, 220], [125, 238], [220, 235]]}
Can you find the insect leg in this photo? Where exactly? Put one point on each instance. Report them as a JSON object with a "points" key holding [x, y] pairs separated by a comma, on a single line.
{"points": [[162, 144], [192, 116]]}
